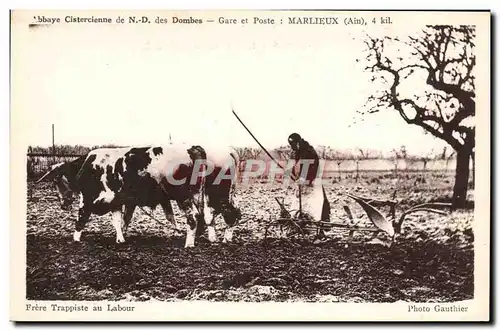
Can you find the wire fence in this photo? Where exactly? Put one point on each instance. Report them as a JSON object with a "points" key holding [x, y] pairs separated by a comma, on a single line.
{"points": [[39, 163]]}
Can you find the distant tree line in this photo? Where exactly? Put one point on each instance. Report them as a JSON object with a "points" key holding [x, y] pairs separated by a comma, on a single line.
{"points": [[66, 149], [284, 153]]}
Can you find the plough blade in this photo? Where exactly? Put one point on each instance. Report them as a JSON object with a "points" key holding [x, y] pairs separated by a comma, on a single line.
{"points": [[430, 205], [377, 202], [414, 210], [329, 225], [422, 207], [375, 216]]}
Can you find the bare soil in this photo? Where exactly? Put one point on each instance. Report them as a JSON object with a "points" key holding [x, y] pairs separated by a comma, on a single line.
{"points": [[432, 261]]}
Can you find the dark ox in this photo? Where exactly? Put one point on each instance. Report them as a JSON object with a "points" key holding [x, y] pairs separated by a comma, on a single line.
{"points": [[117, 180]]}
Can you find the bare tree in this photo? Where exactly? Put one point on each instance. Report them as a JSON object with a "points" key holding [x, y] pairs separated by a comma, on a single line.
{"points": [[322, 151], [245, 154], [253, 153], [444, 153], [403, 152], [395, 160], [339, 157], [364, 154], [371, 154], [426, 158], [412, 161], [443, 57], [397, 155], [284, 153], [449, 158], [329, 153], [360, 155], [241, 151]]}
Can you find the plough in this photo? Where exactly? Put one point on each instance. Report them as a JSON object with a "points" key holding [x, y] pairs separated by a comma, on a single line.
{"points": [[291, 223], [299, 223]]}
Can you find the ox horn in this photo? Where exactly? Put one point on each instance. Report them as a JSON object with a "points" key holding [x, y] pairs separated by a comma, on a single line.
{"points": [[54, 171]]}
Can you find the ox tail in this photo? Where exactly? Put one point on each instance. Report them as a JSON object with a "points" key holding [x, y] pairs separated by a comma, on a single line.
{"points": [[196, 152], [232, 211], [237, 174]]}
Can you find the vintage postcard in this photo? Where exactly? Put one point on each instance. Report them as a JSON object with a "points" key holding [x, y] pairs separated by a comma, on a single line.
{"points": [[280, 165]]}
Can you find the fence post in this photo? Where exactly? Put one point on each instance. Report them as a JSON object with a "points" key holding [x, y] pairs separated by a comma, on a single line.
{"points": [[53, 142]]}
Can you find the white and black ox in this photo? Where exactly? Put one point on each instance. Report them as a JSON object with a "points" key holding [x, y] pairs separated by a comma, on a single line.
{"points": [[117, 180]]}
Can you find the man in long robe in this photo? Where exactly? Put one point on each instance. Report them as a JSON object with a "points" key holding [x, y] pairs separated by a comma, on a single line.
{"points": [[311, 198]]}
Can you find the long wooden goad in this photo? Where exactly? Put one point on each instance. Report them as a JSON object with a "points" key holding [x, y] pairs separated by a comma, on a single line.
{"points": [[263, 148]]}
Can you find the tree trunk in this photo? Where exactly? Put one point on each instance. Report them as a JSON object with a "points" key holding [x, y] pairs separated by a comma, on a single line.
{"points": [[461, 179], [473, 157], [357, 170]]}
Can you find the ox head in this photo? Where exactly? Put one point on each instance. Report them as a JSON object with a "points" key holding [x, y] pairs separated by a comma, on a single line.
{"points": [[58, 175]]}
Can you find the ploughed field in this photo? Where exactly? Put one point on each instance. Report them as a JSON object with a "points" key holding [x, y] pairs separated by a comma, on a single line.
{"points": [[432, 261]]}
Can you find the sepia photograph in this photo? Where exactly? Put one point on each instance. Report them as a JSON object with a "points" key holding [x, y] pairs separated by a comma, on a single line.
{"points": [[196, 158]]}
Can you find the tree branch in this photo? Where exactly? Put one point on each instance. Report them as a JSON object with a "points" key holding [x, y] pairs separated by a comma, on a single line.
{"points": [[433, 48]]}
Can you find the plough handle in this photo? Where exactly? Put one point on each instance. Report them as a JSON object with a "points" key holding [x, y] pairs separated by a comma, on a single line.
{"points": [[300, 201]]}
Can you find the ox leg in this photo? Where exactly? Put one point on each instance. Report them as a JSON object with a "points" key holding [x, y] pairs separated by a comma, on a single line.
{"points": [[228, 235], [169, 214], [188, 207], [210, 216], [127, 216], [231, 216], [212, 235], [83, 218], [117, 220]]}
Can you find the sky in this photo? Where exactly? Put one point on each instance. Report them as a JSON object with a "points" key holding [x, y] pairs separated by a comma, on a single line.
{"points": [[130, 85]]}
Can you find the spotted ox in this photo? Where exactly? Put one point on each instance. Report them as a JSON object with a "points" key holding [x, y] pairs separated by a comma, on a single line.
{"points": [[117, 180], [219, 191]]}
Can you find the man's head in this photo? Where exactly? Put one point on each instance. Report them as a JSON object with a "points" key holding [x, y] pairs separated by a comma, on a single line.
{"points": [[59, 176], [294, 140]]}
